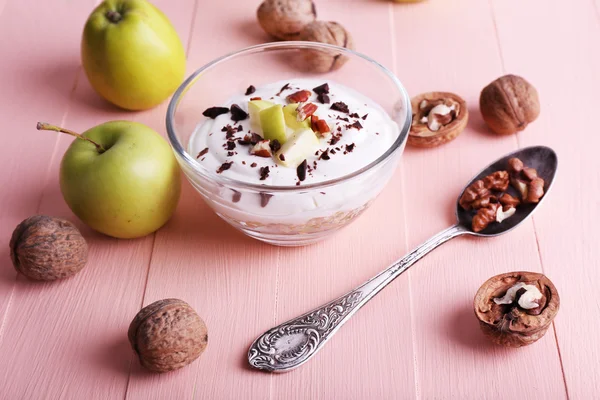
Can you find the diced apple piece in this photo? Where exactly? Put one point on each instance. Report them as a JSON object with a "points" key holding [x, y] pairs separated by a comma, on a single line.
{"points": [[254, 109], [272, 122], [299, 146], [291, 117]]}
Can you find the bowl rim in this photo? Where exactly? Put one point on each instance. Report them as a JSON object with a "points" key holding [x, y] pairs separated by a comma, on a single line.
{"points": [[225, 181]]}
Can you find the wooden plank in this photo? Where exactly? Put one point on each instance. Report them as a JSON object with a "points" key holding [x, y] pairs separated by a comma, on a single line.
{"points": [[372, 356], [454, 360], [36, 77], [229, 279], [81, 324], [561, 58]]}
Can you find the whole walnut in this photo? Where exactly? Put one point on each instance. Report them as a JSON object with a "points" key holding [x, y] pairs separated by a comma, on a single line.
{"points": [[330, 33], [167, 335], [285, 19], [46, 248], [509, 104]]}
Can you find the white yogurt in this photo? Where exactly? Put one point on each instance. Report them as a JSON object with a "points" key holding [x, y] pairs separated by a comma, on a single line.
{"points": [[377, 135]]}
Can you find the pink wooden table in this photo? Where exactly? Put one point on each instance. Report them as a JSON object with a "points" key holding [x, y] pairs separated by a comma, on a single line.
{"points": [[418, 338]]}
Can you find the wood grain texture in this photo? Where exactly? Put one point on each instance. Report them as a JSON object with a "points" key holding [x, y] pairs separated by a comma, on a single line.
{"points": [[73, 324], [312, 276], [30, 89], [229, 279], [418, 338], [564, 68], [444, 284]]}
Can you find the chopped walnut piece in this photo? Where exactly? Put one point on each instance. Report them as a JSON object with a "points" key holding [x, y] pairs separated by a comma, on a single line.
{"points": [[484, 217], [322, 127], [526, 181], [497, 181], [305, 111], [299, 97], [475, 191], [509, 201], [261, 149], [515, 165]]}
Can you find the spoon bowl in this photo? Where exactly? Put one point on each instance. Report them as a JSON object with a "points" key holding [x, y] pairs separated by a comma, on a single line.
{"points": [[541, 158]]}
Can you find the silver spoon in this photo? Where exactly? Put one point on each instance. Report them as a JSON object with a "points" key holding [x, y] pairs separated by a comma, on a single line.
{"points": [[294, 342]]}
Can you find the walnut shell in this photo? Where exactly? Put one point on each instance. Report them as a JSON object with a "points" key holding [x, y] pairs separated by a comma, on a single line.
{"points": [[285, 19], [329, 33], [509, 325], [420, 135], [509, 104], [167, 335], [46, 248]]}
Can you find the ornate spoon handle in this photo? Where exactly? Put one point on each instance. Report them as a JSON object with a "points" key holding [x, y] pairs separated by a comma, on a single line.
{"points": [[294, 342]]}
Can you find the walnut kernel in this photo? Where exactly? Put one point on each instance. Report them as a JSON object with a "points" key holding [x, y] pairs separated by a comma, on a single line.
{"points": [[438, 117], [516, 309]]}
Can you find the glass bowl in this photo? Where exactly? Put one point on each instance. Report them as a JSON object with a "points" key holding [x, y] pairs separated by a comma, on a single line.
{"points": [[286, 215]]}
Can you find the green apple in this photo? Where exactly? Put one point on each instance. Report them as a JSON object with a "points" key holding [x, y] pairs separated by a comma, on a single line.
{"points": [[254, 109], [290, 112], [120, 178], [272, 122], [131, 54], [299, 146]]}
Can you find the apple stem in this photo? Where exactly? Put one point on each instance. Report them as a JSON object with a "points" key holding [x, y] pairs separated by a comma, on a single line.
{"points": [[43, 126], [114, 16]]}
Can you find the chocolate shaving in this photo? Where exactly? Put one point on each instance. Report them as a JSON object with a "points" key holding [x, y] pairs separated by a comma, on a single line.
{"points": [[264, 173], [301, 171], [342, 119], [231, 153], [253, 165], [340, 106], [274, 145], [334, 139], [203, 152], [282, 157], [251, 89], [237, 114], [364, 117], [264, 199], [322, 89], [229, 131], [356, 125], [283, 88], [230, 145], [224, 167], [325, 155], [214, 112], [354, 115], [349, 148], [323, 98], [236, 196]]}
